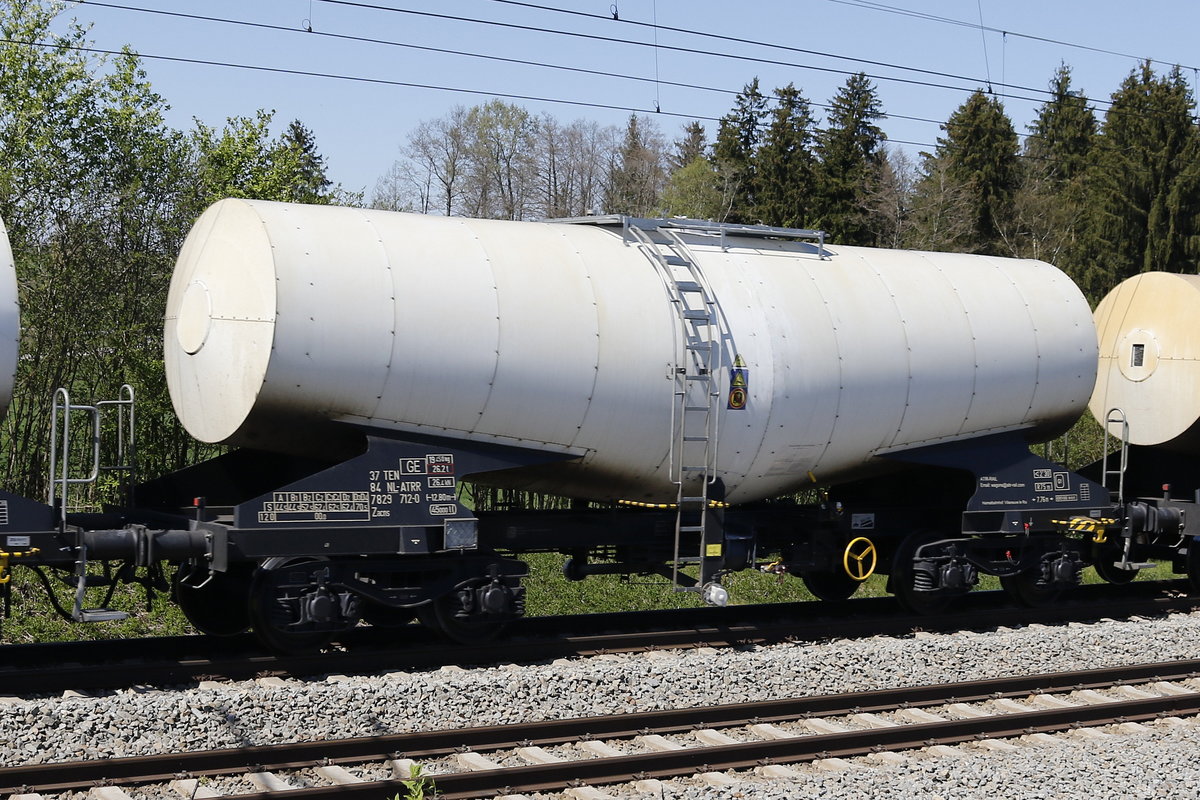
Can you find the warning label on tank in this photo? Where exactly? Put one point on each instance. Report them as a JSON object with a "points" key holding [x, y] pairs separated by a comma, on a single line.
{"points": [[739, 385]]}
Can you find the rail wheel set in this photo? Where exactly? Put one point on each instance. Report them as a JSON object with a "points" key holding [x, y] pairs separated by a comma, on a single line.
{"points": [[712, 398]]}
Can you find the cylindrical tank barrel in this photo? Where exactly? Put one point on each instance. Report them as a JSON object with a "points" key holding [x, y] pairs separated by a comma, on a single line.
{"points": [[1150, 359], [10, 321], [564, 338]]}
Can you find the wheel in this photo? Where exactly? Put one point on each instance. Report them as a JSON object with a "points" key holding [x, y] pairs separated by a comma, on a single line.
{"points": [[440, 615], [1025, 589], [1113, 574], [1193, 566], [903, 580], [270, 609], [219, 607], [831, 586]]}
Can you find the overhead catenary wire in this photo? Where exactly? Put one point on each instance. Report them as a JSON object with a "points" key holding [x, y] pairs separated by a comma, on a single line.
{"points": [[983, 38], [454, 52], [352, 78], [756, 43], [985, 81], [407, 84], [482, 92], [693, 50], [1008, 95], [875, 6]]}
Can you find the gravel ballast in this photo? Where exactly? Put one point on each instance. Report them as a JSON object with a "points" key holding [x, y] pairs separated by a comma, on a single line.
{"points": [[1158, 764]]}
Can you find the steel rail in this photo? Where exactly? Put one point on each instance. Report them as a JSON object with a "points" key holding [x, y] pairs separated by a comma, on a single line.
{"points": [[49, 668], [64, 776], [748, 755]]}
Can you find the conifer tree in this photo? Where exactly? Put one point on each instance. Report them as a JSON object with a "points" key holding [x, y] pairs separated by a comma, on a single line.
{"points": [[850, 155], [1049, 206], [689, 147], [1144, 182], [973, 171], [1063, 134], [738, 136], [311, 183], [785, 163]]}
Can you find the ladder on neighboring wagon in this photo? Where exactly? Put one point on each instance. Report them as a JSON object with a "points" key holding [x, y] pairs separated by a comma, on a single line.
{"points": [[62, 449], [693, 450], [1116, 416]]}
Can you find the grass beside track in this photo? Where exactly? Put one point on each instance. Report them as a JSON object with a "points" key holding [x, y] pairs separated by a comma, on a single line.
{"points": [[34, 620]]}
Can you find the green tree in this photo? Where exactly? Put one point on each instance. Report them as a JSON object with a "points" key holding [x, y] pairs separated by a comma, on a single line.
{"points": [[1064, 132], [502, 161], [1144, 183], [90, 188], [974, 172], [850, 156], [692, 191], [98, 193], [310, 182], [1049, 206], [689, 147], [784, 163], [243, 160], [739, 134]]}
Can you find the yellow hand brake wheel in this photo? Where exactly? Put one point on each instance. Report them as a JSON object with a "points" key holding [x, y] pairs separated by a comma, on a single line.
{"points": [[859, 558]]}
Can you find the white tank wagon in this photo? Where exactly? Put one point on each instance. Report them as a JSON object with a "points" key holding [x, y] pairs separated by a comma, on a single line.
{"points": [[10, 321], [1150, 360], [563, 338]]}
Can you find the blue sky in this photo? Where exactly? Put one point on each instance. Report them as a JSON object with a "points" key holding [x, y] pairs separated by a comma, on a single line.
{"points": [[360, 125]]}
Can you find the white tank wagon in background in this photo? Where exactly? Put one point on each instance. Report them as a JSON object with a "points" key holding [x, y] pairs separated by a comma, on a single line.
{"points": [[10, 321], [1149, 371], [562, 337]]}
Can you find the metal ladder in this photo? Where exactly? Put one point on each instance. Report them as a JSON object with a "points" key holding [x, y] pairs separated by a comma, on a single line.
{"points": [[61, 479], [694, 413], [1117, 416], [695, 410], [1114, 416]]}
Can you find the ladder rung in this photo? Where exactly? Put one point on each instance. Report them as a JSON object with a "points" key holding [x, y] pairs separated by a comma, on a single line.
{"points": [[684, 500], [698, 314], [695, 438], [697, 408], [691, 528], [101, 615], [675, 261], [694, 469], [699, 346], [688, 286], [704, 377]]}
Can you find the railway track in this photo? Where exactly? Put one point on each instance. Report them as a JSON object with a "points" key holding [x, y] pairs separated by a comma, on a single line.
{"points": [[557, 754], [106, 665]]}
